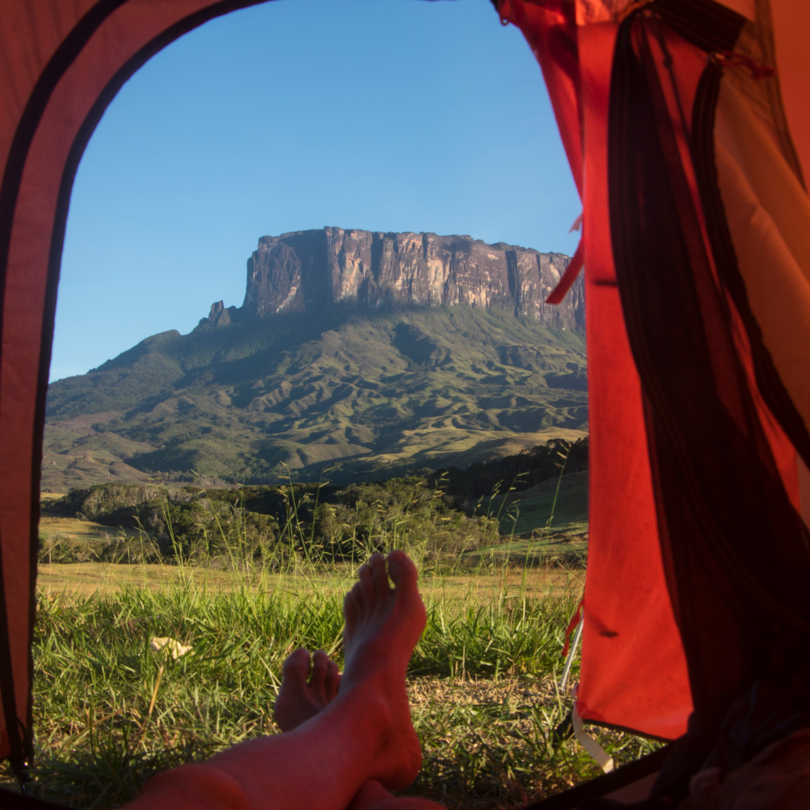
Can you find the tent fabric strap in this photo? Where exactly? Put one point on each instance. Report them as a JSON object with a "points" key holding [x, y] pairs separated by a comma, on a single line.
{"points": [[557, 295], [706, 24], [603, 786]]}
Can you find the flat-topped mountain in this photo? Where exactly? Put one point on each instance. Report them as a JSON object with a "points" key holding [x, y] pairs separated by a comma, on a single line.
{"points": [[311, 271], [355, 355]]}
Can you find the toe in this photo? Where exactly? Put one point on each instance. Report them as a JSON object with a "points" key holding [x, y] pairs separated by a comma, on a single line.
{"points": [[379, 575], [402, 570], [358, 600], [366, 583], [296, 667], [349, 613], [317, 679], [332, 681], [353, 610]]}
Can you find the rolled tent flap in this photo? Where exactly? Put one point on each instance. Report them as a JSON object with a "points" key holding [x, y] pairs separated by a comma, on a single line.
{"points": [[633, 671], [735, 547]]}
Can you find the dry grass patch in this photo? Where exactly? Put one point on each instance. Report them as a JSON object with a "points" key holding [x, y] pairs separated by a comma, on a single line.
{"points": [[75, 529], [103, 579]]}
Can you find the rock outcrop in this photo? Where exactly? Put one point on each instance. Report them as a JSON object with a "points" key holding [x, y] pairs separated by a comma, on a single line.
{"points": [[220, 315], [309, 271]]}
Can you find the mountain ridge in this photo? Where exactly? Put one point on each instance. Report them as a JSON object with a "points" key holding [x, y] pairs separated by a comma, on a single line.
{"points": [[315, 270], [342, 389]]}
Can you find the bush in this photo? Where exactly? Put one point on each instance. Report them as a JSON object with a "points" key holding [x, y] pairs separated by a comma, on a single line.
{"points": [[434, 519]]}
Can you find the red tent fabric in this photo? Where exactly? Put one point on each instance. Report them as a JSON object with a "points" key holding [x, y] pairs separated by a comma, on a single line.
{"points": [[700, 396], [696, 381], [633, 666]]}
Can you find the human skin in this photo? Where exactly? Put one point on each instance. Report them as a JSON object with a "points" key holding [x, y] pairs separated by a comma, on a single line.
{"points": [[307, 687], [359, 745]]}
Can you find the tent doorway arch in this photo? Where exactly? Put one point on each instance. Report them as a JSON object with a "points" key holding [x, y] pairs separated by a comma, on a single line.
{"points": [[648, 95]]}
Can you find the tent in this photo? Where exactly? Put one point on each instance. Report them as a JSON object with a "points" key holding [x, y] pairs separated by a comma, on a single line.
{"points": [[687, 132]]}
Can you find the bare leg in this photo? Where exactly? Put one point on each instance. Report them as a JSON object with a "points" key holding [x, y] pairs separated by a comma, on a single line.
{"points": [[364, 733], [299, 700]]}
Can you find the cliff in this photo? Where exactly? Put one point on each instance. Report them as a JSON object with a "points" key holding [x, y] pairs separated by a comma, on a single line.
{"points": [[310, 271]]}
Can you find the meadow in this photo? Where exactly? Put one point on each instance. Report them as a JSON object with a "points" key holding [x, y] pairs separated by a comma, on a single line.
{"points": [[484, 680], [109, 712]]}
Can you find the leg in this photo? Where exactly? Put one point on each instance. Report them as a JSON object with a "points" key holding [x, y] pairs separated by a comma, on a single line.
{"points": [[364, 733], [300, 699]]}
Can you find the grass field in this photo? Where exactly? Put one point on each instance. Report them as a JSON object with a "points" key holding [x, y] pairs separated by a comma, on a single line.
{"points": [[560, 504], [109, 713], [77, 580], [73, 529]]}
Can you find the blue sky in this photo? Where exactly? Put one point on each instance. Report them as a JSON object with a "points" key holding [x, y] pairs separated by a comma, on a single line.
{"points": [[389, 115]]}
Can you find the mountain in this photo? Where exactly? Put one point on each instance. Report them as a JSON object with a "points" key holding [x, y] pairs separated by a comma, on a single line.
{"points": [[313, 271], [355, 355]]}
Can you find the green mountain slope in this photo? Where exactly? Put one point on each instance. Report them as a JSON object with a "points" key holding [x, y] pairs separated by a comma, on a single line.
{"points": [[344, 395]]}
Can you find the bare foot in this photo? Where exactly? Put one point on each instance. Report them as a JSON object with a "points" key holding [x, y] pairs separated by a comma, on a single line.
{"points": [[383, 625], [300, 699]]}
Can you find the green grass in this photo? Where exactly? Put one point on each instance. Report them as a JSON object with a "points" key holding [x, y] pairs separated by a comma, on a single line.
{"points": [[109, 713], [561, 503], [543, 525]]}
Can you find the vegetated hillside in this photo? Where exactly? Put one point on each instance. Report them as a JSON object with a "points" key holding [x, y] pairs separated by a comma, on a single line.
{"points": [[436, 518], [342, 396]]}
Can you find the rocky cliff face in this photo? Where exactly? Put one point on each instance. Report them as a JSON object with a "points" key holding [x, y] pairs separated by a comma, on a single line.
{"points": [[309, 271]]}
